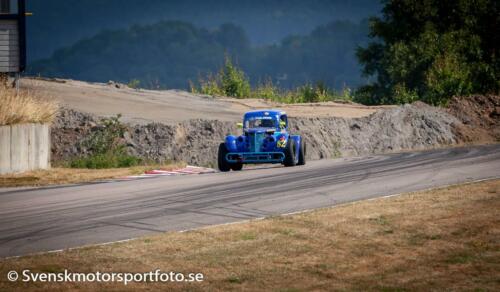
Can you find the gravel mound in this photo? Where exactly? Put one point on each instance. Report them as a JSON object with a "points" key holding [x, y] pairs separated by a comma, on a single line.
{"points": [[417, 126], [408, 127], [194, 142], [68, 131]]}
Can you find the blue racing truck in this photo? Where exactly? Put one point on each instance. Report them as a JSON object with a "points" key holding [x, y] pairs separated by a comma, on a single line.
{"points": [[265, 139]]}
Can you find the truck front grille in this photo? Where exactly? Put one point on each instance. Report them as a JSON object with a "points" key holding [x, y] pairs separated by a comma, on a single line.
{"points": [[255, 141]]}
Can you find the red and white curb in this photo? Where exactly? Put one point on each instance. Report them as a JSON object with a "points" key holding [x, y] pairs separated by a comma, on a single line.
{"points": [[181, 171]]}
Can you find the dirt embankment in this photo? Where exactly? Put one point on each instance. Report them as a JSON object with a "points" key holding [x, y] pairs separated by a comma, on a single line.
{"points": [[408, 127], [480, 115], [141, 106]]}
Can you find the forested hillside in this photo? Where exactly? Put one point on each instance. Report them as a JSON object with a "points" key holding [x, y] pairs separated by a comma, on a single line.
{"points": [[170, 53], [407, 50], [58, 23]]}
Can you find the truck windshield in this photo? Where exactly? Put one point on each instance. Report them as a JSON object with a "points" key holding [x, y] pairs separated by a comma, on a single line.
{"points": [[260, 122]]}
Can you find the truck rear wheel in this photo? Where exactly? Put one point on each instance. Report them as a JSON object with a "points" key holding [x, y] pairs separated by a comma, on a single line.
{"points": [[302, 153], [289, 153], [222, 163]]}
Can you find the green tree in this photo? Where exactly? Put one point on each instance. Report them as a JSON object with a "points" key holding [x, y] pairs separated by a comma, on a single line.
{"points": [[431, 50]]}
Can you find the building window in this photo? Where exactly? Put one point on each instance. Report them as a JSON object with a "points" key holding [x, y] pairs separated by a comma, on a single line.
{"points": [[8, 7]]}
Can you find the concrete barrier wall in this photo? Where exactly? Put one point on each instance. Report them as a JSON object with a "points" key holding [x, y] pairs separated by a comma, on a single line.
{"points": [[24, 147]]}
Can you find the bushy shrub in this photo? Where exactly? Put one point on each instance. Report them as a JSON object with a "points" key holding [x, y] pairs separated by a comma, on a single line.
{"points": [[229, 81], [403, 95], [318, 92], [107, 136], [266, 90], [232, 81], [106, 147], [134, 83], [211, 85]]}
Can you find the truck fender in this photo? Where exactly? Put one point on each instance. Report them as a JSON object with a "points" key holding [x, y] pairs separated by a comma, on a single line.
{"points": [[230, 143]]}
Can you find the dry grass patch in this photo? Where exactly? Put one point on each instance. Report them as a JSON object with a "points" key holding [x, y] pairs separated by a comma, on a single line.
{"points": [[445, 239], [25, 107], [75, 175]]}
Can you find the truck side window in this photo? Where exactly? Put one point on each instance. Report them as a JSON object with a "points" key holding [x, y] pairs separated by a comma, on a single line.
{"points": [[283, 122]]}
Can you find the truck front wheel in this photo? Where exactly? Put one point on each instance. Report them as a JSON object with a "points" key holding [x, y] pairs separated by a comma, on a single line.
{"points": [[236, 166], [221, 158]]}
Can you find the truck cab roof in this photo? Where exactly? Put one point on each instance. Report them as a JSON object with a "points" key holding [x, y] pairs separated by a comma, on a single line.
{"points": [[263, 113]]}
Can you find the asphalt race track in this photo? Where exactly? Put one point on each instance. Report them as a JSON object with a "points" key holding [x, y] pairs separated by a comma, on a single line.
{"points": [[51, 218]]}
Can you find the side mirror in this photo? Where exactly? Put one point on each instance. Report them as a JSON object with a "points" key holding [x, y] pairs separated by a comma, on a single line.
{"points": [[239, 125]]}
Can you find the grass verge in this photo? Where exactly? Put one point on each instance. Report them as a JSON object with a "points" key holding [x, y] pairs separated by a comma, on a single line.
{"points": [[443, 239], [61, 175], [25, 107]]}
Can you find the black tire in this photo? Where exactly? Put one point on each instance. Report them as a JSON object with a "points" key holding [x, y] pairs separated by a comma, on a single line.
{"points": [[236, 166], [302, 153], [289, 153], [221, 158]]}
